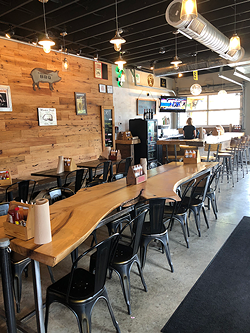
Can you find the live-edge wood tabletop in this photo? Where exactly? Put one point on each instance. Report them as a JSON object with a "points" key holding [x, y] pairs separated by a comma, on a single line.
{"points": [[74, 218]]}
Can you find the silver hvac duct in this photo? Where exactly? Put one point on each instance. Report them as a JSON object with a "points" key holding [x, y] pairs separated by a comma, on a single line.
{"points": [[205, 33], [202, 31]]}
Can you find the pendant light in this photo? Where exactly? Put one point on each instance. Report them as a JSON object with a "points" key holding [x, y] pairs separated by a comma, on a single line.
{"points": [[188, 10], [196, 89], [65, 63], [222, 92], [120, 62], [234, 44], [117, 40], [46, 42], [176, 61]]}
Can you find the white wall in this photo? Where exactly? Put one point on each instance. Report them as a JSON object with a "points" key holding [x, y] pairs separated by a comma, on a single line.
{"points": [[125, 97]]}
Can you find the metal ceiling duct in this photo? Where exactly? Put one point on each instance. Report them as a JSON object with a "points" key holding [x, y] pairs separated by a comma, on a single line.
{"points": [[204, 32]]}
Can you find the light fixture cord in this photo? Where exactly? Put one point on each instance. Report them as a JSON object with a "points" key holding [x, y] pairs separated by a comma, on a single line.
{"points": [[235, 16], [116, 18], [45, 27], [176, 45]]}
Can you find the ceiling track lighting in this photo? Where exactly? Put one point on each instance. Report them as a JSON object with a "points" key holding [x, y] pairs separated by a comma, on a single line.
{"points": [[176, 61], [234, 44], [188, 10], [117, 40], [46, 42], [120, 62], [10, 33]]}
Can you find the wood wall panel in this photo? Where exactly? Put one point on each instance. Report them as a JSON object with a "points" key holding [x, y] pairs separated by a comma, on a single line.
{"points": [[28, 147]]}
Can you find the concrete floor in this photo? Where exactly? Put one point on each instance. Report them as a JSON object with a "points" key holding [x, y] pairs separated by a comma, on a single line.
{"points": [[151, 310]]}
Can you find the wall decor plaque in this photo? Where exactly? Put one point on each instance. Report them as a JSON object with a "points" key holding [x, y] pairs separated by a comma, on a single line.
{"points": [[45, 76], [81, 104], [151, 80], [5, 99], [47, 116]]}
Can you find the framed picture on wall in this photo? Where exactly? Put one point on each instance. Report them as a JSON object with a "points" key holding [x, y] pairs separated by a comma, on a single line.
{"points": [[47, 116], [81, 103], [102, 88], [5, 99], [110, 89]]}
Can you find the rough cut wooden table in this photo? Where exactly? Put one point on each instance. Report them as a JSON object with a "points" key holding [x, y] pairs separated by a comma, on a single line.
{"points": [[74, 218], [53, 174]]}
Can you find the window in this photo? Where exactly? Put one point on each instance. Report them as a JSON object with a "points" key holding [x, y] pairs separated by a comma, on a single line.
{"points": [[213, 110]]}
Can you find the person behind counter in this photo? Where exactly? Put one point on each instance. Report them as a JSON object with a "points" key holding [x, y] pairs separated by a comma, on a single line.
{"points": [[189, 131]]}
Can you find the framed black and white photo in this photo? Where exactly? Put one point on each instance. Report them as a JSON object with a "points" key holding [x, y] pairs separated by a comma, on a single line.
{"points": [[102, 88], [47, 117], [5, 99], [110, 89], [81, 103]]}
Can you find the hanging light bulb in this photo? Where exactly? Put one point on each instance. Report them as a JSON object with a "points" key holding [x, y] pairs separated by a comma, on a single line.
{"points": [[176, 61], [120, 62], [188, 10], [65, 64], [196, 89], [117, 40], [222, 92], [234, 44], [46, 42]]}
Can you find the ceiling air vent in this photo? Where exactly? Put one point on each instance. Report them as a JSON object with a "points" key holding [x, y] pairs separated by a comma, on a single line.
{"points": [[196, 26]]}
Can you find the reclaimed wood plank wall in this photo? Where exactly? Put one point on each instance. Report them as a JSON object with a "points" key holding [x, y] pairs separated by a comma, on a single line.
{"points": [[25, 146]]}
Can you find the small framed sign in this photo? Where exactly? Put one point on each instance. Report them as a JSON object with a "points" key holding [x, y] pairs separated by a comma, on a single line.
{"points": [[47, 117], [102, 88], [5, 99], [81, 104], [110, 89], [98, 69], [163, 83]]}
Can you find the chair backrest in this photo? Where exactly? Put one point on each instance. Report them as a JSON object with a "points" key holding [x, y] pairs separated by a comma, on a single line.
{"points": [[122, 174], [214, 179], [57, 193], [212, 147], [202, 184], [103, 256], [23, 190], [156, 213], [185, 197], [80, 176], [4, 207], [136, 224], [105, 170]]}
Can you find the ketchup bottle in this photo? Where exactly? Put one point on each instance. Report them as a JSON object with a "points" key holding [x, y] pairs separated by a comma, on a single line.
{"points": [[17, 216]]}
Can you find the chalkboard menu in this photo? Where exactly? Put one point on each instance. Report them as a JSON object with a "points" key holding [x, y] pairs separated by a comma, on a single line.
{"points": [[146, 106], [108, 127]]}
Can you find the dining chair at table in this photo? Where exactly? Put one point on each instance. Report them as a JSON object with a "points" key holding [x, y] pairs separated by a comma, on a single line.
{"points": [[126, 254], [81, 289], [179, 210], [121, 174], [55, 194], [80, 177], [155, 229], [100, 174], [23, 189]]}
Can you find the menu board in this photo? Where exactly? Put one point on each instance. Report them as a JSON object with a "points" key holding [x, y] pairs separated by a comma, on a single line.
{"points": [[108, 127]]}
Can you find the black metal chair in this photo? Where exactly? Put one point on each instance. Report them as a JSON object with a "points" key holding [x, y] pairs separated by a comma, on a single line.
{"points": [[80, 176], [19, 264], [55, 194], [119, 175], [196, 202], [212, 187], [179, 210], [126, 255], [81, 289], [23, 188], [155, 230], [100, 178]]}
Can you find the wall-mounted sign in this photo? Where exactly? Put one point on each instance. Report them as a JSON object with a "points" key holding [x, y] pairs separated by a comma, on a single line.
{"points": [[47, 117], [151, 80], [137, 78], [45, 76], [5, 99], [163, 83], [101, 70], [195, 75], [81, 104], [144, 105]]}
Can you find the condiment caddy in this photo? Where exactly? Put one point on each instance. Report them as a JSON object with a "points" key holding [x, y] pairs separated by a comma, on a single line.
{"points": [[69, 164], [136, 175], [191, 156], [5, 178], [20, 220]]}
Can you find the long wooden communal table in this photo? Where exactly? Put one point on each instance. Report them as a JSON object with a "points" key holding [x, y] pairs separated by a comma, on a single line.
{"points": [[74, 218]]}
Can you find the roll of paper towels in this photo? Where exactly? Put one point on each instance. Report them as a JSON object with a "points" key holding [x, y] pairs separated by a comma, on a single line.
{"points": [[42, 227], [143, 162], [60, 165]]}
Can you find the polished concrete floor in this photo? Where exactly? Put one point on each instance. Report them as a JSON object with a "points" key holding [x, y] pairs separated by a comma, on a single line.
{"points": [[151, 310]]}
